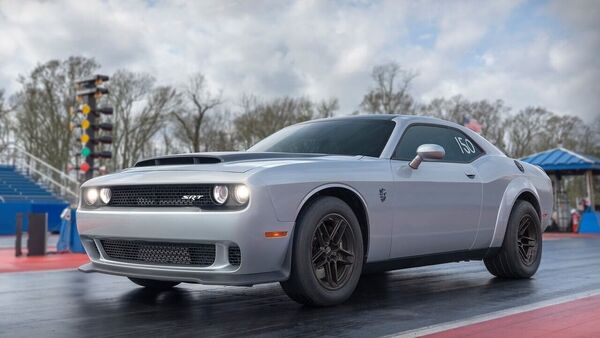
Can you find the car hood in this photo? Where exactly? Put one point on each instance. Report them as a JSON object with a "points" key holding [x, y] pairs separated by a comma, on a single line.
{"points": [[215, 166], [235, 162]]}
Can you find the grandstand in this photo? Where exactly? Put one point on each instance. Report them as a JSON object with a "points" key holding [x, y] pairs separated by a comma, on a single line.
{"points": [[29, 185]]}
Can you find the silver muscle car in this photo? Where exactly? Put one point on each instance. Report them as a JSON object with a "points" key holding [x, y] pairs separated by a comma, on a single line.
{"points": [[317, 204]]}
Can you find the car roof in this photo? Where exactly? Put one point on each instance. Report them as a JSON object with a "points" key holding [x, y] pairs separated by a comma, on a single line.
{"points": [[409, 119], [388, 117]]}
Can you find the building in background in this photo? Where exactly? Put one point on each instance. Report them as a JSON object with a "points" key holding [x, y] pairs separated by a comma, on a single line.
{"points": [[561, 162]]}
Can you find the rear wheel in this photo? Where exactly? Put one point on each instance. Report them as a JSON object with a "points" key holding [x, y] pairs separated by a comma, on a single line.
{"points": [[153, 284], [327, 254], [521, 250]]}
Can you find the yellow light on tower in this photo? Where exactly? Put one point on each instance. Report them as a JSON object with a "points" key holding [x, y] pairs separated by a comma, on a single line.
{"points": [[85, 124], [86, 109], [85, 138]]}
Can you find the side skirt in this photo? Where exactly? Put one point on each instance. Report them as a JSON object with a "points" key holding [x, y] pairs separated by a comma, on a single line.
{"points": [[431, 259]]}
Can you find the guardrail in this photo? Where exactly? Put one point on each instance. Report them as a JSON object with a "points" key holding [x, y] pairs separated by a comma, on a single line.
{"points": [[41, 172]]}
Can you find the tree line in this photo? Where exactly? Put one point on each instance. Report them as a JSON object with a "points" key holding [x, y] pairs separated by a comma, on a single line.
{"points": [[152, 119]]}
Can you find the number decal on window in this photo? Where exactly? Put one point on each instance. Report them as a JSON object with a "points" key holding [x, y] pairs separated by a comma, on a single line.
{"points": [[460, 146], [471, 146], [465, 145]]}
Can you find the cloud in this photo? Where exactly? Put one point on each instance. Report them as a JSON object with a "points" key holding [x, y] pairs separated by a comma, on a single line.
{"points": [[525, 53]]}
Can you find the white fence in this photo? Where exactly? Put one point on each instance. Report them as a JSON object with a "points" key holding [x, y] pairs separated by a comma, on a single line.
{"points": [[41, 172]]}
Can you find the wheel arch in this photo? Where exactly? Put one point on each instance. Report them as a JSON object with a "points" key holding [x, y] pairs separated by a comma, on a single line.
{"points": [[528, 196], [518, 190], [351, 197]]}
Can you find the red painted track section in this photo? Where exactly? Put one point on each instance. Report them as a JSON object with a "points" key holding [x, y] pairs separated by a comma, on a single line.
{"points": [[577, 318], [564, 235], [10, 263]]}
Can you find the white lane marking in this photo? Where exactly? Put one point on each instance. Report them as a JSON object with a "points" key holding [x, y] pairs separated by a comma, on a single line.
{"points": [[494, 315]]}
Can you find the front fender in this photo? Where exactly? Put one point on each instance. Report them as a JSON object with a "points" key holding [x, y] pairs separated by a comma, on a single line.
{"points": [[290, 187]]}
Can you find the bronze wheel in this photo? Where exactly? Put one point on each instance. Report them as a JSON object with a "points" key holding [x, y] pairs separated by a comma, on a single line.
{"points": [[333, 251], [521, 251], [527, 241], [327, 255]]}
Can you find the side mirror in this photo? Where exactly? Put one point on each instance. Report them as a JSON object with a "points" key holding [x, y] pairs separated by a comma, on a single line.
{"points": [[427, 152]]}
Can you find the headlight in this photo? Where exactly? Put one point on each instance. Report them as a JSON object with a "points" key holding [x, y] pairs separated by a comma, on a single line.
{"points": [[91, 196], [105, 195], [241, 194], [220, 194]]}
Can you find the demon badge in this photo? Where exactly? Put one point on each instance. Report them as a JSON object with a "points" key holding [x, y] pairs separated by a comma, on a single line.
{"points": [[382, 194]]}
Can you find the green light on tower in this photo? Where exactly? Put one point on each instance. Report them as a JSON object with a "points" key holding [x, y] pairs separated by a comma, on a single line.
{"points": [[85, 152]]}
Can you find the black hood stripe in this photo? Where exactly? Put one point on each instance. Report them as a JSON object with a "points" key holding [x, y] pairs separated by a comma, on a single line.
{"points": [[212, 158]]}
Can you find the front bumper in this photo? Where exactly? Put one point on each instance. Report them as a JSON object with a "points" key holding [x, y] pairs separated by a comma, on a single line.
{"points": [[200, 277], [262, 259]]}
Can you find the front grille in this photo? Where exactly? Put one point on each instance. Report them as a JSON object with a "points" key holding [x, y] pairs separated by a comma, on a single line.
{"points": [[235, 255], [159, 253], [165, 195]]}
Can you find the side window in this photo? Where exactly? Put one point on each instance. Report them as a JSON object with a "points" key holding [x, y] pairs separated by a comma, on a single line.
{"points": [[458, 146]]}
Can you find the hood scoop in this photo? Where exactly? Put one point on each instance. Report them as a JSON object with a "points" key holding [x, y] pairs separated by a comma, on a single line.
{"points": [[212, 158], [178, 160]]}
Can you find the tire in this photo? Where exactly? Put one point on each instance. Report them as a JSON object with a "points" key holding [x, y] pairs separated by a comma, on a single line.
{"points": [[153, 284], [338, 262], [521, 252]]}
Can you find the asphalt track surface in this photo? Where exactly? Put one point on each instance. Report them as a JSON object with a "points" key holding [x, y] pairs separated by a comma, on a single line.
{"points": [[70, 303]]}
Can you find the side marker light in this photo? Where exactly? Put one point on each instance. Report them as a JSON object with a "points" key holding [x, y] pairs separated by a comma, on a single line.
{"points": [[275, 234]]}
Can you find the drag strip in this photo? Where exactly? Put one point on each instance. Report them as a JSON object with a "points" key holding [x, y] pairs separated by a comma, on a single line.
{"points": [[430, 330], [69, 303]]}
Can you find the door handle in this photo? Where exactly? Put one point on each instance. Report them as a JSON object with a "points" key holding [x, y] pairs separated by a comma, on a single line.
{"points": [[470, 175]]}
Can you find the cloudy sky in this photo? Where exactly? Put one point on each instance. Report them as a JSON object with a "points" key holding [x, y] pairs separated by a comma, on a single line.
{"points": [[525, 52]]}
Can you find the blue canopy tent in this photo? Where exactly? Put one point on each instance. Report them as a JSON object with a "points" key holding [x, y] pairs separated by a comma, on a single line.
{"points": [[560, 162]]}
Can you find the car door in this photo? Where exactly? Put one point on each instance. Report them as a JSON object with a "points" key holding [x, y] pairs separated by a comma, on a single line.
{"points": [[437, 205]]}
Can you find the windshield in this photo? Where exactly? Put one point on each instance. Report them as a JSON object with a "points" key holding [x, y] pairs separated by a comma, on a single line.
{"points": [[334, 137]]}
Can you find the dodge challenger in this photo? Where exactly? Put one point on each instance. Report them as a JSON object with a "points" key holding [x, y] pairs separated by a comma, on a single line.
{"points": [[316, 205]]}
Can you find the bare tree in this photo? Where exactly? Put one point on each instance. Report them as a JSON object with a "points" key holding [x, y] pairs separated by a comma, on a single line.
{"points": [[6, 123], [42, 108], [218, 132], [526, 131], [563, 131], [453, 109], [390, 94], [260, 119], [150, 120], [140, 112], [327, 108], [537, 129], [168, 146], [590, 138], [489, 114], [189, 117]]}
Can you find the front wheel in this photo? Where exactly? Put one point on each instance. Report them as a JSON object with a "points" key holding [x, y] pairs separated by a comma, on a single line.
{"points": [[521, 251], [153, 284], [327, 255]]}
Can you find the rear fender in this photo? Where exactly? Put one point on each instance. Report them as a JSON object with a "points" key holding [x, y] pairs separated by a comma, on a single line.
{"points": [[518, 186]]}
